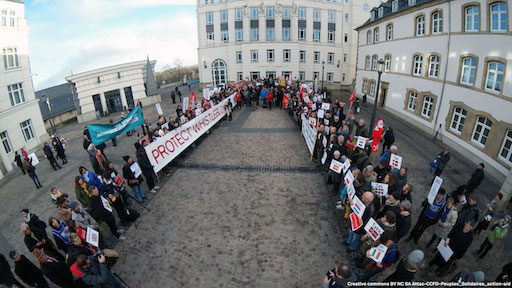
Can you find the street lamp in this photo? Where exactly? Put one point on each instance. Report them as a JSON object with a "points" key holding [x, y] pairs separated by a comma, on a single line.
{"points": [[52, 124], [380, 68], [323, 67]]}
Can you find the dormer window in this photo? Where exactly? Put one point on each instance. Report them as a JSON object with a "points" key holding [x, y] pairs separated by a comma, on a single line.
{"points": [[372, 16], [412, 2], [394, 6], [381, 12]]}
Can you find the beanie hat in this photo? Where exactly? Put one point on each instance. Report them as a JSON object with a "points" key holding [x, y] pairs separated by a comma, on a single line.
{"points": [[406, 204], [415, 257], [479, 276], [482, 164], [507, 217], [72, 205], [125, 158]]}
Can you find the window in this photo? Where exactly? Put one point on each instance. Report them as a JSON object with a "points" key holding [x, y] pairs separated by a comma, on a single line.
{"points": [[367, 63], [238, 14], [286, 55], [270, 12], [389, 32], [254, 55], [482, 129], [302, 56], [468, 72], [343, 77], [12, 18], [331, 16], [345, 57], [498, 17], [224, 16], [411, 103], [224, 34], [331, 36], [394, 6], [433, 67], [387, 63], [420, 25], [365, 86], [254, 34], [5, 141], [372, 88], [381, 12], [302, 75], [494, 77], [472, 18], [26, 130], [428, 104], [210, 36], [376, 35], [330, 58], [374, 62], [372, 15], [316, 57], [4, 17], [16, 94], [302, 13], [270, 55], [254, 13], [270, 74], [458, 119], [240, 76], [369, 37], [437, 22], [316, 35], [417, 65], [209, 18], [345, 38], [286, 12], [286, 33], [506, 148], [316, 15], [239, 35], [270, 33], [302, 34], [412, 2], [10, 57], [239, 57], [330, 77], [346, 17], [219, 72], [315, 75]]}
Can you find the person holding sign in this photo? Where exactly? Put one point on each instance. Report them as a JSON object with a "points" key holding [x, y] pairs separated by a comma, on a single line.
{"points": [[446, 222], [101, 208], [428, 216], [385, 259], [354, 237], [133, 177]]}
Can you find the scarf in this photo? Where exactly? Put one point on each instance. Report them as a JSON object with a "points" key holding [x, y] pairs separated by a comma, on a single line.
{"points": [[503, 225], [445, 214], [61, 233], [27, 219], [84, 186]]}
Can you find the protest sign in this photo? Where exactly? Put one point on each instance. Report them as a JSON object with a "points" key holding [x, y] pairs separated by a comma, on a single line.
{"points": [[395, 161], [355, 221], [336, 166], [446, 252], [373, 228], [185, 104], [33, 159], [103, 132], [380, 189], [357, 206], [165, 125], [136, 169], [159, 109], [324, 157], [346, 166], [93, 237], [312, 121], [324, 141], [106, 204], [326, 122], [377, 253], [309, 134], [349, 178], [351, 191], [434, 188], [320, 113], [361, 142], [326, 106]]}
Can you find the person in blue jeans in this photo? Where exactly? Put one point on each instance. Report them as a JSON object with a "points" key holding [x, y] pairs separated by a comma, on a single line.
{"points": [[133, 175], [354, 237], [27, 165], [373, 268]]}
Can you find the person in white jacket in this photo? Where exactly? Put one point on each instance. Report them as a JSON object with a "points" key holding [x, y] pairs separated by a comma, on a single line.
{"points": [[448, 218]]}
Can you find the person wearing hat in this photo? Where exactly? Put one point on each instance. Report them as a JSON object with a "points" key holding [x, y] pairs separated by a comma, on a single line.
{"points": [[130, 169], [428, 216], [448, 218], [27, 271], [476, 178], [407, 267], [443, 158], [403, 223], [392, 203], [499, 230], [54, 268], [82, 217]]}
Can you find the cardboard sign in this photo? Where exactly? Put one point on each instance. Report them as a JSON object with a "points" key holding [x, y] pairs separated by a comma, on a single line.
{"points": [[395, 161], [349, 178], [106, 204], [346, 166], [361, 142], [185, 104], [358, 206], [374, 229], [355, 221], [136, 169], [165, 125], [198, 112], [378, 253], [380, 189], [118, 180], [326, 122], [434, 188], [159, 109], [33, 159], [446, 252], [351, 191], [326, 106], [93, 237], [312, 121], [336, 166], [320, 113], [324, 157]]}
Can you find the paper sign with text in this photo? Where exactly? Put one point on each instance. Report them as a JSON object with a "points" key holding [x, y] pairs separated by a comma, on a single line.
{"points": [[355, 221], [326, 106], [434, 188], [324, 157], [346, 166], [358, 206], [320, 113], [336, 166], [349, 178], [93, 237], [446, 252], [351, 191], [380, 189], [159, 109], [374, 229], [106, 204], [395, 161], [378, 253], [361, 142]]}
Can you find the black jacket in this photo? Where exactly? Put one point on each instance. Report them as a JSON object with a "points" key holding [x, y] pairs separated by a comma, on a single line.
{"points": [[459, 241], [129, 176], [31, 242], [28, 272], [48, 152], [368, 213], [18, 160], [476, 178], [6, 276], [403, 226], [389, 137], [468, 213], [401, 273], [97, 207], [58, 273], [145, 165]]}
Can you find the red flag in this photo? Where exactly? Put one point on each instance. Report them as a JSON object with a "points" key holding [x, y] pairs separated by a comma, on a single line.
{"points": [[351, 99], [285, 100], [192, 101], [377, 134]]}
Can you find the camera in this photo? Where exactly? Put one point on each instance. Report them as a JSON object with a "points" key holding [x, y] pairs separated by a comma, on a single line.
{"points": [[328, 273], [98, 254]]}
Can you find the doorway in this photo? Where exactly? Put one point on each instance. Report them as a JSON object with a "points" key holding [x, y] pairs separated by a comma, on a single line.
{"points": [[383, 94], [113, 99], [96, 99]]}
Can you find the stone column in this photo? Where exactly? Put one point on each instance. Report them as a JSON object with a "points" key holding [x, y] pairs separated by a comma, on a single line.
{"points": [[104, 103], [506, 190], [123, 99]]}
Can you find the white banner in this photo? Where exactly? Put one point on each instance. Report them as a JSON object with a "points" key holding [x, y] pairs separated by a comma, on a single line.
{"points": [[309, 134], [166, 148]]}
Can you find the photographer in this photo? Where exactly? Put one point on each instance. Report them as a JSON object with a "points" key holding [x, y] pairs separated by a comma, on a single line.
{"points": [[339, 277], [93, 271]]}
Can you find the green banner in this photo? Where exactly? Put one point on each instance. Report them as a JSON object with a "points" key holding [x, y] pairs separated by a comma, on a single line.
{"points": [[104, 132]]}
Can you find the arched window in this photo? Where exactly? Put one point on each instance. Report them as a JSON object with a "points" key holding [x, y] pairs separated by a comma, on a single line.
{"points": [[437, 22], [417, 65], [367, 63], [458, 119], [482, 129], [433, 67], [389, 32], [468, 71], [411, 102], [369, 37], [219, 72], [472, 18], [374, 62], [498, 19], [494, 80], [387, 63], [428, 104], [420, 25]]}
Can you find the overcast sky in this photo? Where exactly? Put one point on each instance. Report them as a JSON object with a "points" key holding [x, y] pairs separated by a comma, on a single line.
{"points": [[80, 35]]}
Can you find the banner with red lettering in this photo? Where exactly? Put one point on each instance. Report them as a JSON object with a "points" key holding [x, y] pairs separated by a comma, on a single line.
{"points": [[351, 99], [285, 100], [163, 150], [377, 134]]}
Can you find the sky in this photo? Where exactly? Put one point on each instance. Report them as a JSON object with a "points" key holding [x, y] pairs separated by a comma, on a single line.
{"points": [[79, 35]]}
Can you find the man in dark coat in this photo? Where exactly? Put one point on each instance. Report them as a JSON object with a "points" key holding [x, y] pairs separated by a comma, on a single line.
{"points": [[6, 276], [27, 271], [469, 211], [444, 157], [146, 167], [428, 216], [86, 142], [37, 238], [389, 139], [354, 237], [55, 268], [404, 220], [476, 178], [19, 162], [93, 271], [49, 154], [105, 215], [407, 267], [173, 97]]}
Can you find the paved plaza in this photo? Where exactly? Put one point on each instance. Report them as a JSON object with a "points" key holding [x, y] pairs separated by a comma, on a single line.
{"points": [[244, 208]]}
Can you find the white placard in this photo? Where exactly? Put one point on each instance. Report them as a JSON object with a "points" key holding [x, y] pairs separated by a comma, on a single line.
{"points": [[198, 112], [309, 134], [336, 166], [93, 237], [324, 157], [349, 178], [326, 106], [326, 129], [378, 253], [324, 141], [351, 191], [326, 122], [463, 201], [182, 119], [361, 142], [33, 159], [185, 104], [106, 204], [395, 161], [136, 169], [357, 206], [159, 109], [346, 166], [206, 93], [434, 188], [312, 121], [165, 125], [320, 113], [306, 99], [446, 252], [380, 189], [373, 228]]}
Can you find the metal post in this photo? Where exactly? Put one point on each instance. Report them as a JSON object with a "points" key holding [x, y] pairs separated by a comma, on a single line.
{"points": [[323, 67], [380, 68], [52, 123]]}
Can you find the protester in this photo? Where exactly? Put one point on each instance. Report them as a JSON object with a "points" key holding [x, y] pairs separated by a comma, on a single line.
{"points": [[60, 231], [90, 178], [373, 268], [441, 160], [37, 239], [146, 167], [476, 178], [19, 162], [428, 216], [81, 192], [340, 277], [60, 151], [98, 206], [488, 214], [406, 192], [31, 170], [447, 219], [32, 220], [354, 237], [93, 271], [389, 139], [407, 267], [49, 154], [82, 217], [469, 211], [133, 181], [6, 276], [403, 224], [401, 176], [27, 271], [499, 230], [54, 268]]}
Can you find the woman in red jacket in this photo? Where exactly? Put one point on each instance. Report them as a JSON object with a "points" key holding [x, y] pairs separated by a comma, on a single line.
{"points": [[239, 99], [270, 94]]}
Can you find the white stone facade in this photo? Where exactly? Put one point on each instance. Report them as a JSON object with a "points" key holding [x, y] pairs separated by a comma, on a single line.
{"points": [[21, 123], [110, 89], [280, 25], [448, 69]]}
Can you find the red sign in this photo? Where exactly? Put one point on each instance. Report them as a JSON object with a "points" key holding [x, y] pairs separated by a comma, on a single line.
{"points": [[351, 99], [119, 181], [355, 221], [285, 100], [377, 134]]}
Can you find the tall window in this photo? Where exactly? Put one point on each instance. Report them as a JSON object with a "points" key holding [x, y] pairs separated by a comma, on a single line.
{"points": [[428, 104], [472, 18], [367, 63], [372, 88], [411, 103], [417, 65], [240, 76], [420, 25], [369, 37], [287, 55], [270, 55], [433, 67], [468, 72], [302, 56], [330, 58], [316, 35], [10, 57], [239, 12], [482, 130], [254, 13], [12, 18], [437, 22], [302, 13], [225, 36], [506, 148], [387, 63], [302, 75], [316, 56], [239, 35], [330, 77], [374, 62], [286, 33], [254, 55], [331, 16], [286, 12], [270, 33], [331, 36], [376, 35], [365, 86], [270, 12], [26, 130], [302, 34], [5, 141], [210, 36], [458, 119], [394, 6], [316, 15], [16, 94], [498, 17], [4, 17], [224, 16], [239, 57], [380, 12], [254, 34], [389, 32], [315, 75], [209, 18], [494, 77]]}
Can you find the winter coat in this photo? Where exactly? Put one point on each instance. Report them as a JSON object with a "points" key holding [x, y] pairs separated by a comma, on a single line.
{"points": [[459, 241], [28, 272], [467, 213], [496, 232], [130, 177], [84, 219], [6, 276], [98, 275], [443, 160], [91, 179], [97, 207], [451, 219], [145, 165], [389, 138], [402, 226], [476, 178], [82, 197], [404, 272], [58, 273], [48, 152]]}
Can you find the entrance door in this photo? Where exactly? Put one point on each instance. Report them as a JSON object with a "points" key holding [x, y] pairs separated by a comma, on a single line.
{"points": [[383, 94], [97, 104], [129, 97], [113, 99]]}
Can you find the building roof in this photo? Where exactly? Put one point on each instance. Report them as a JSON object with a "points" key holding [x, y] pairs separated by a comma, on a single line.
{"points": [[109, 69], [403, 5], [61, 100]]}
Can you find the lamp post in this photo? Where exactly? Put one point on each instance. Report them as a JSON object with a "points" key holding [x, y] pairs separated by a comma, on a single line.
{"points": [[323, 67], [52, 124], [380, 68]]}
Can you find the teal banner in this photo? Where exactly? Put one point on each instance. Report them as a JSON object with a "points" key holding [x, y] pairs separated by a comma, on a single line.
{"points": [[104, 132]]}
